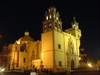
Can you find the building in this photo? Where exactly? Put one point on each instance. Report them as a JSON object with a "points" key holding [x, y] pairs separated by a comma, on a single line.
{"points": [[57, 50], [83, 58], [3, 57]]}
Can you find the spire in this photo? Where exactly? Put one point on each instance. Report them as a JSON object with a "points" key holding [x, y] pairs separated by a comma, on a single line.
{"points": [[74, 23], [74, 19]]}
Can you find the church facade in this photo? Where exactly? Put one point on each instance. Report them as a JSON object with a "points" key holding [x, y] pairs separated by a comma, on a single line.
{"points": [[57, 50]]}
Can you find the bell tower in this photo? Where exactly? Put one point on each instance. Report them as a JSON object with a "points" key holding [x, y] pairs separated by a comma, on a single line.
{"points": [[52, 27], [52, 20], [75, 29], [55, 42], [74, 23]]}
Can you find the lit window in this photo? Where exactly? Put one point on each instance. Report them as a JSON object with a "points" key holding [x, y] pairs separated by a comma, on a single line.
{"points": [[46, 17], [50, 16]]}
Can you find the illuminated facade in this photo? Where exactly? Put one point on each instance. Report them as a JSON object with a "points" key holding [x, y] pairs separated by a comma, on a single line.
{"points": [[58, 50], [23, 52]]}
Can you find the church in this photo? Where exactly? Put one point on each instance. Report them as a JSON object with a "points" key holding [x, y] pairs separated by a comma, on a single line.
{"points": [[57, 50]]}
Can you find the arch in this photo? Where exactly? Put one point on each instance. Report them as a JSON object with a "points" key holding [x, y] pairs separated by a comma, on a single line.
{"points": [[72, 64]]}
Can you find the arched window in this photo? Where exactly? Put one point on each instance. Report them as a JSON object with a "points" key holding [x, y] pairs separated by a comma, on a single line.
{"points": [[45, 26], [49, 25], [50, 16], [46, 17]]}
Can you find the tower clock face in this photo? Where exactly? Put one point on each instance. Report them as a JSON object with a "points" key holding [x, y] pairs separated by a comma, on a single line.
{"points": [[73, 25], [50, 16]]}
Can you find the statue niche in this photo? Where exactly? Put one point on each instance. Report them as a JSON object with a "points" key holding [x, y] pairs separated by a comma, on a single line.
{"points": [[71, 47]]}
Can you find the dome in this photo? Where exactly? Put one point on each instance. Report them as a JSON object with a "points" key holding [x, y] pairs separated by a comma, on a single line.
{"points": [[26, 37]]}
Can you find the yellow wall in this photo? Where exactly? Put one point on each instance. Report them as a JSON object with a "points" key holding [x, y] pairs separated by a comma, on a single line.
{"points": [[47, 49], [59, 53], [50, 41], [23, 55]]}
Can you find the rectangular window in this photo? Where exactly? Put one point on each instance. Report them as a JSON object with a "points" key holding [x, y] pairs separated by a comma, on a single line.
{"points": [[59, 46], [24, 60], [60, 63]]}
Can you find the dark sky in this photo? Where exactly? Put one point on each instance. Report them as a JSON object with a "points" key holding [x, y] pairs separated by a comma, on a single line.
{"points": [[18, 16]]}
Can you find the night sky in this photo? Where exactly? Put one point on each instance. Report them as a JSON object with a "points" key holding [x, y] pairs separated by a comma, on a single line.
{"points": [[18, 16]]}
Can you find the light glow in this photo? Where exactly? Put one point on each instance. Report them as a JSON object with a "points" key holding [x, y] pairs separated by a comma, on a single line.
{"points": [[74, 25], [18, 42], [50, 16], [46, 17], [2, 69], [89, 65], [57, 18]]}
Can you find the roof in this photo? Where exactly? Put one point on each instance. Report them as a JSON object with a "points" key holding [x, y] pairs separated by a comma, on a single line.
{"points": [[26, 37]]}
